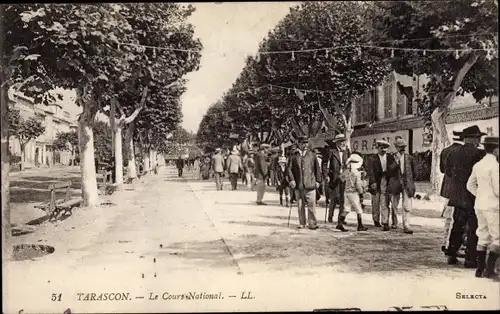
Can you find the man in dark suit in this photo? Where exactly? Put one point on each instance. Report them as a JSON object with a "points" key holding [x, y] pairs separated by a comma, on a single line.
{"points": [[261, 172], [339, 156], [180, 166], [304, 175], [377, 180], [446, 187], [401, 175], [460, 163]]}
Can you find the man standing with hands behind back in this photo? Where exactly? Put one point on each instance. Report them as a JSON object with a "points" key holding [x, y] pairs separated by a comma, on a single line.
{"points": [[305, 177], [261, 172], [337, 165], [378, 179]]}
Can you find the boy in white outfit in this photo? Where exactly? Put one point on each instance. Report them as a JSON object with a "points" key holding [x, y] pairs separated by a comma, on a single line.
{"points": [[353, 188], [483, 183]]}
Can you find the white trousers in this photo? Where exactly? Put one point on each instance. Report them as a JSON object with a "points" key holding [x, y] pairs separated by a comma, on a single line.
{"points": [[487, 230], [407, 206], [352, 201]]}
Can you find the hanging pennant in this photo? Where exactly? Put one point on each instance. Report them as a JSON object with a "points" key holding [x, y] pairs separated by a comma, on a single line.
{"points": [[189, 54], [424, 53], [392, 53], [293, 56], [326, 53], [288, 91], [315, 55], [457, 56], [154, 53]]}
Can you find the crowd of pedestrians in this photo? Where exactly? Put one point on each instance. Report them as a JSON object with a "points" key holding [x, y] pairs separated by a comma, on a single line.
{"points": [[303, 174]]}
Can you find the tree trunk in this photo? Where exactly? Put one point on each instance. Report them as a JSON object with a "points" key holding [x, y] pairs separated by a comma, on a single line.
{"points": [[21, 165], [440, 140], [146, 154], [6, 226], [87, 163], [132, 171], [348, 134], [153, 158], [117, 133]]}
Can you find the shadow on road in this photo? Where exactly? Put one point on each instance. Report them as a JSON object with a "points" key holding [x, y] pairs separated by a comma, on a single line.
{"points": [[210, 254]]}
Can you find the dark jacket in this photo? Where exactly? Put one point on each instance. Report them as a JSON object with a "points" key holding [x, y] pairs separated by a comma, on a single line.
{"points": [[180, 163], [304, 171], [336, 165], [461, 162], [374, 171], [444, 167], [399, 181], [261, 166]]}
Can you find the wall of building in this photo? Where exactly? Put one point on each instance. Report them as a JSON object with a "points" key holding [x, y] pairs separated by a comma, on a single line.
{"points": [[39, 151]]}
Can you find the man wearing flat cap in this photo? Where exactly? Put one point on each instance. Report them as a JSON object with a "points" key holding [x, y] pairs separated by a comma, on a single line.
{"points": [[377, 180], [460, 163], [446, 185], [304, 175], [483, 184], [261, 172], [338, 159], [401, 183]]}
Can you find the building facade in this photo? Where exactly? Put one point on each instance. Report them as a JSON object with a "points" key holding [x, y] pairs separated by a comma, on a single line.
{"points": [[386, 113], [39, 151]]}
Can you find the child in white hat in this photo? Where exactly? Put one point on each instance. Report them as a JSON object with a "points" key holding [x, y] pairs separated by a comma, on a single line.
{"points": [[353, 187], [281, 177]]}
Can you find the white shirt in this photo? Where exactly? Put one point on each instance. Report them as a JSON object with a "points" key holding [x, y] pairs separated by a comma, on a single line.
{"points": [[483, 183], [401, 162], [341, 153], [383, 162]]}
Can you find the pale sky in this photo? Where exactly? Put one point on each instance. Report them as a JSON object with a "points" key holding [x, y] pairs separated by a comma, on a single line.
{"points": [[229, 32]]}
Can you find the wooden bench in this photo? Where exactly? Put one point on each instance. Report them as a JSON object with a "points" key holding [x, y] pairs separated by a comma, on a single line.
{"points": [[59, 206]]}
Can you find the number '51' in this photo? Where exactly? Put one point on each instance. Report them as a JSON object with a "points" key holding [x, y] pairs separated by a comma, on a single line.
{"points": [[56, 297]]}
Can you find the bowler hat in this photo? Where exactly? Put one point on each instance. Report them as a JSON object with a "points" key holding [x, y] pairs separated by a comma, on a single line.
{"points": [[457, 132], [490, 140], [399, 142], [472, 131], [382, 143]]}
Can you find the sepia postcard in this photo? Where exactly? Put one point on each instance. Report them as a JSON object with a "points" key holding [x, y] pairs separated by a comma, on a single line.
{"points": [[308, 156]]}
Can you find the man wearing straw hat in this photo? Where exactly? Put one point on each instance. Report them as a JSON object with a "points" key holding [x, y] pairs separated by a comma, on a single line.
{"points": [[234, 165], [446, 185], [401, 183], [461, 162], [378, 179], [261, 172], [483, 183], [305, 177], [218, 168], [337, 165]]}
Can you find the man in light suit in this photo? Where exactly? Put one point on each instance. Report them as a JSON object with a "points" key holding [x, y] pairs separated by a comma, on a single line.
{"points": [[401, 183], [218, 168], [446, 187], [261, 172], [234, 165], [304, 175], [483, 183]]}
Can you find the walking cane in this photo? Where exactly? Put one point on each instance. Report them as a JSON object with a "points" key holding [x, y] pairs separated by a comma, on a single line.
{"points": [[289, 213]]}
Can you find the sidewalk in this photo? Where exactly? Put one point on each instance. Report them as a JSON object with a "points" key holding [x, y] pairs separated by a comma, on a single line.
{"points": [[180, 235]]}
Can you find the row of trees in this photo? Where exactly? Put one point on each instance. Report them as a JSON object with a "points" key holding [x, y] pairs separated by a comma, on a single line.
{"points": [[328, 46], [100, 51]]}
